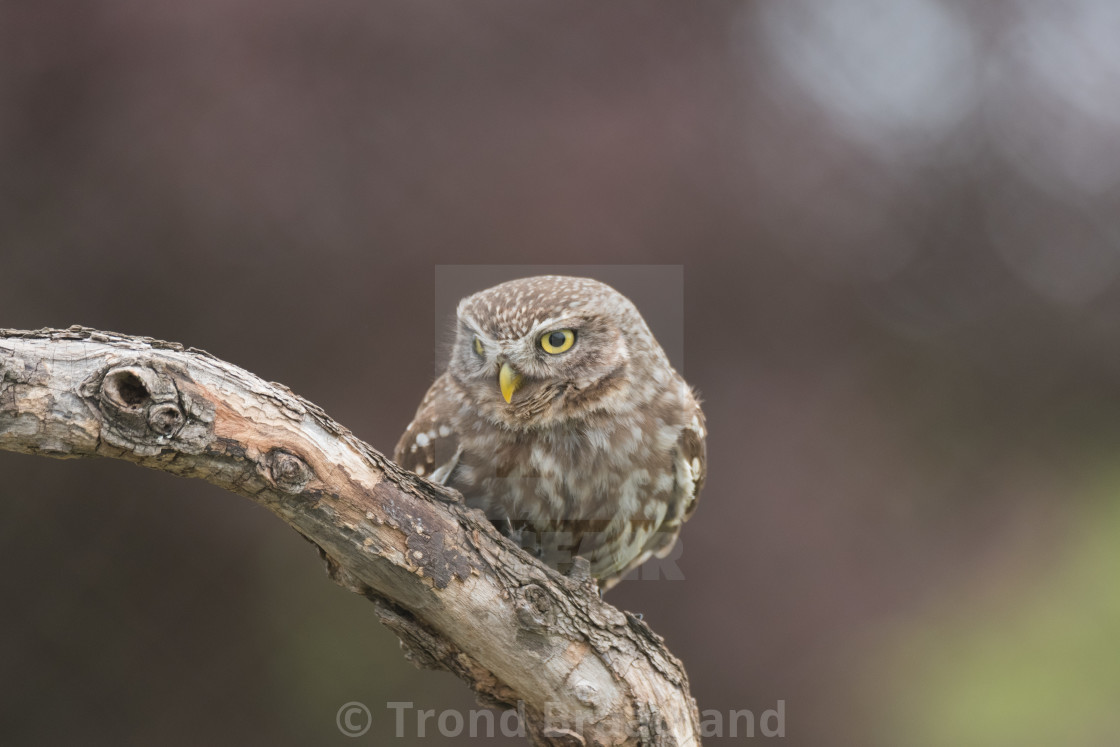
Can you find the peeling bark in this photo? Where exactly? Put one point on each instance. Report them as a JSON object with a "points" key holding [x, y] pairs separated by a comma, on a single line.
{"points": [[455, 592]]}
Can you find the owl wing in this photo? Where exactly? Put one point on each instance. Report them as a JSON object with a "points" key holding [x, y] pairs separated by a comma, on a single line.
{"points": [[689, 460], [430, 446], [690, 467]]}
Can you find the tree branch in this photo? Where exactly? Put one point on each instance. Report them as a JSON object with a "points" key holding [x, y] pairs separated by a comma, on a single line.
{"points": [[457, 594]]}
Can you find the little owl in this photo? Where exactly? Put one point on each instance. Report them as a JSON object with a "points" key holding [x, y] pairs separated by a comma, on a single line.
{"points": [[560, 417]]}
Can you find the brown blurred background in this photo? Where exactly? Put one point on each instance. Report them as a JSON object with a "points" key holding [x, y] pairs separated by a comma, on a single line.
{"points": [[898, 226]]}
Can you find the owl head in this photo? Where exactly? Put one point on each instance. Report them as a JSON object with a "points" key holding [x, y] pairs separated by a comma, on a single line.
{"points": [[544, 350]]}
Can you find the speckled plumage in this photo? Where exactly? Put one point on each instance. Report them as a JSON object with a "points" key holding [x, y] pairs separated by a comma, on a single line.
{"points": [[599, 452]]}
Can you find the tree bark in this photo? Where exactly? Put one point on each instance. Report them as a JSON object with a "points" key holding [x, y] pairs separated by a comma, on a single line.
{"points": [[459, 596]]}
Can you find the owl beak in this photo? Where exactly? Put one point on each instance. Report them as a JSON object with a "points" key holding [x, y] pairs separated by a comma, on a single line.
{"points": [[509, 380]]}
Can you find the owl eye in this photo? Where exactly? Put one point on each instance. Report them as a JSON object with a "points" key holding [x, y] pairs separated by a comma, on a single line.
{"points": [[558, 341], [478, 346]]}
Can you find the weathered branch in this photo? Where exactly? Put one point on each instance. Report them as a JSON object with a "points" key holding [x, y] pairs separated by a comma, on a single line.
{"points": [[457, 594]]}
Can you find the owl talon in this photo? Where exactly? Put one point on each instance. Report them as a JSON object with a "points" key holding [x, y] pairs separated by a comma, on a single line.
{"points": [[504, 527], [516, 534]]}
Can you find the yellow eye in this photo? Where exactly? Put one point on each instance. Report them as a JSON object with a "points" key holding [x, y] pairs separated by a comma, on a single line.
{"points": [[478, 346], [558, 341]]}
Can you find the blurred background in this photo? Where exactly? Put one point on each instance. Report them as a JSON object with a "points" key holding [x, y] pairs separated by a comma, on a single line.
{"points": [[898, 231]]}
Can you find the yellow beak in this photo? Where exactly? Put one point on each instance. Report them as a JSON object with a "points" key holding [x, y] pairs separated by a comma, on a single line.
{"points": [[509, 380]]}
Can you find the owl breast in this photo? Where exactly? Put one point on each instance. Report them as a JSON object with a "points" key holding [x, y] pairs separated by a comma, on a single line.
{"points": [[598, 487]]}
